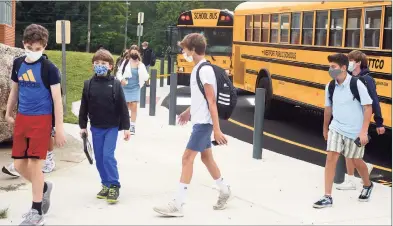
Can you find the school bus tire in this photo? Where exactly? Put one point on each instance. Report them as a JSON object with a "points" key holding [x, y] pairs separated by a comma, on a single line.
{"points": [[264, 81]]}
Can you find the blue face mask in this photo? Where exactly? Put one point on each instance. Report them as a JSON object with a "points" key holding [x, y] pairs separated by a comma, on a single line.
{"points": [[100, 69]]}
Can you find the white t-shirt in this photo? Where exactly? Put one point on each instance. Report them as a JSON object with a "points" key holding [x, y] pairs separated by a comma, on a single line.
{"points": [[200, 113]]}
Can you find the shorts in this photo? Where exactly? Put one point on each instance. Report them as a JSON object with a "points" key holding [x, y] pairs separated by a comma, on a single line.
{"points": [[344, 145], [31, 136], [200, 139]]}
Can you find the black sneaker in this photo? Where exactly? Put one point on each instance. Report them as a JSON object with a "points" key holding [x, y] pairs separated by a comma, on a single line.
{"points": [[114, 192], [325, 201], [366, 193], [103, 194]]}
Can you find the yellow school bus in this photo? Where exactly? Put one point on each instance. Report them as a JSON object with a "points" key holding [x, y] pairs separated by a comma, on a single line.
{"points": [[216, 25], [283, 47]]}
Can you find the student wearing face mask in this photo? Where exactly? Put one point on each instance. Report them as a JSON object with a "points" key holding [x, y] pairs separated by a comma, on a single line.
{"points": [[358, 68], [37, 96], [351, 119], [133, 75], [104, 103]]}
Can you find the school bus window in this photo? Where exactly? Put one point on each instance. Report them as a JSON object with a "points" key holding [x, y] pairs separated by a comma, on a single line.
{"points": [[257, 28], [336, 28], [249, 28], [284, 28], [295, 28], [372, 27], [352, 34], [387, 33], [321, 28], [265, 28], [274, 29], [308, 23]]}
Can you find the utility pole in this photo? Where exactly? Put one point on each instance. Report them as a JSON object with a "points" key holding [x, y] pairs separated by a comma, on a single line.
{"points": [[125, 28], [88, 27]]}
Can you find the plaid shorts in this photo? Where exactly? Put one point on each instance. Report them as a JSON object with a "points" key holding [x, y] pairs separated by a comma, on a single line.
{"points": [[344, 145]]}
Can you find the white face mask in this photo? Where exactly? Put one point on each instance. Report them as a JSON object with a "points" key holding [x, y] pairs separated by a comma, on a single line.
{"points": [[33, 56], [188, 58], [351, 66]]}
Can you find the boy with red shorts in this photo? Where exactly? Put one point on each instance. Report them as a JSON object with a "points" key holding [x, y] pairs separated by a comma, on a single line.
{"points": [[33, 123]]}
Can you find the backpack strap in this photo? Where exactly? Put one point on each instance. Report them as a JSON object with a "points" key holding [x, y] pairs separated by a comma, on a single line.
{"points": [[115, 89], [87, 89], [353, 85], [17, 63], [200, 85], [331, 87]]}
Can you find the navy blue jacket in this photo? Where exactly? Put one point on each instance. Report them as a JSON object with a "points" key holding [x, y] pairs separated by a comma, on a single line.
{"points": [[371, 87]]}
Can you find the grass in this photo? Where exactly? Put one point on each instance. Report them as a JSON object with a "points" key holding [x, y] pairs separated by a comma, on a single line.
{"points": [[4, 213], [78, 69]]}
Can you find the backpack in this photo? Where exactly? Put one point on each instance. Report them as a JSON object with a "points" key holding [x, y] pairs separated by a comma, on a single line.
{"points": [[153, 59], [353, 87], [124, 66], [44, 77], [226, 92]]}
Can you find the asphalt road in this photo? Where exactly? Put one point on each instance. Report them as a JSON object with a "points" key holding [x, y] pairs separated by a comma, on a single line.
{"points": [[297, 125]]}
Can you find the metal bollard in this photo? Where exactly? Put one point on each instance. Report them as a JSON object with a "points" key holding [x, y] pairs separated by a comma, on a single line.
{"points": [[171, 68], [153, 92], [172, 100], [259, 115], [143, 96], [162, 72], [341, 169]]}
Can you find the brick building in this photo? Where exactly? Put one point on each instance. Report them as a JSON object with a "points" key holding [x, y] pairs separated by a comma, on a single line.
{"points": [[7, 22]]}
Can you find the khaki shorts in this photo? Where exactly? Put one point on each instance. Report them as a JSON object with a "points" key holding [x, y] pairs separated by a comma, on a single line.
{"points": [[344, 145]]}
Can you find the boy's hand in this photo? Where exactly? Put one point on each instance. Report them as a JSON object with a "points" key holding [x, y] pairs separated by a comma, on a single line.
{"points": [[184, 117], [10, 119], [325, 133], [83, 131], [363, 138], [220, 138], [381, 130], [127, 135], [60, 138]]}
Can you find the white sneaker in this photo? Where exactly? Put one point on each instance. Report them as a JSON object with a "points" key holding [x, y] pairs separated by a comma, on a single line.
{"points": [[49, 164], [10, 170], [347, 185], [223, 200], [169, 210]]}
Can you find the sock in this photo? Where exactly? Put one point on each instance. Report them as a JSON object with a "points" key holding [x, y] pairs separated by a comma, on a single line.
{"points": [[37, 206], [132, 123], [350, 178], [45, 187], [222, 185], [181, 195]]}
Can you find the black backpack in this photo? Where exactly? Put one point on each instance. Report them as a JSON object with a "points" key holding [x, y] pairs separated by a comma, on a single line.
{"points": [[226, 92], [353, 87], [44, 76]]}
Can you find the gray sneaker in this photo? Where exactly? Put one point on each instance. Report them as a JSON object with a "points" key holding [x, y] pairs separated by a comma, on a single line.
{"points": [[33, 218], [46, 198], [223, 199]]}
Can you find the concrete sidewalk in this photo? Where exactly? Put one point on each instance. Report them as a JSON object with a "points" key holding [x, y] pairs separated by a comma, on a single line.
{"points": [[275, 190]]}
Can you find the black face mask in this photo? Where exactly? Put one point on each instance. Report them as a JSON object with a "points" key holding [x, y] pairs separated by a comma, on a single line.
{"points": [[134, 56]]}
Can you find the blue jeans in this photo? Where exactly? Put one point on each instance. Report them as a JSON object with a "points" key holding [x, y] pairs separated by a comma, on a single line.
{"points": [[104, 144]]}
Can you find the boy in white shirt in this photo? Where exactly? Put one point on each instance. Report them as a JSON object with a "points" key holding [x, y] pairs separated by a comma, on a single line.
{"points": [[205, 122]]}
